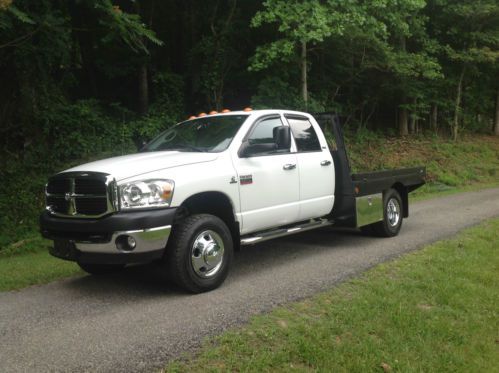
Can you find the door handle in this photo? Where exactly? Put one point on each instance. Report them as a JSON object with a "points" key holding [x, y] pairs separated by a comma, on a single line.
{"points": [[325, 162], [289, 166]]}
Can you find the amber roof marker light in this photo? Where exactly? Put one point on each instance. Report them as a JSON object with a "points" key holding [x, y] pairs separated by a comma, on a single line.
{"points": [[200, 115], [225, 111], [247, 109], [213, 112]]}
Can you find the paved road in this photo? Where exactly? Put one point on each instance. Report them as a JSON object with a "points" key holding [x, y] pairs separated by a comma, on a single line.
{"points": [[132, 321]]}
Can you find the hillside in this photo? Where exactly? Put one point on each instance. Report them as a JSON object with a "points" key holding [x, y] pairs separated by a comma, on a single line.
{"points": [[474, 160]]}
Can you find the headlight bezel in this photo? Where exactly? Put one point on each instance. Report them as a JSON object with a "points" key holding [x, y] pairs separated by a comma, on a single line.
{"points": [[145, 194]]}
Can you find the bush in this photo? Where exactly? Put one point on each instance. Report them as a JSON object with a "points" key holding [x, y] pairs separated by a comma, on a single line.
{"points": [[72, 134]]}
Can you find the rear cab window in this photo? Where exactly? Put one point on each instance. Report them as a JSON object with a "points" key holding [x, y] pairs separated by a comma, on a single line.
{"points": [[304, 134]]}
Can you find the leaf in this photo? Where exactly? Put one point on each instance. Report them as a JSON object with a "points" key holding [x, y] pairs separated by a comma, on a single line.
{"points": [[386, 367], [21, 16]]}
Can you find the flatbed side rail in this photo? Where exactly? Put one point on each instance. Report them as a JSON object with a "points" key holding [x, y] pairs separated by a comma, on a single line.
{"points": [[377, 181]]}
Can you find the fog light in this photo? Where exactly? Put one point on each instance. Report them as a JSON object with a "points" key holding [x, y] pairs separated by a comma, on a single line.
{"points": [[125, 243], [131, 242]]}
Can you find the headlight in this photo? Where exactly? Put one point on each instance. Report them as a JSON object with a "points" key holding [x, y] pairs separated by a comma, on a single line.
{"points": [[146, 194]]}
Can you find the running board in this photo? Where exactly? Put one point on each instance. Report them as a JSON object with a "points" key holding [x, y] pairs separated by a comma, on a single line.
{"points": [[281, 232]]}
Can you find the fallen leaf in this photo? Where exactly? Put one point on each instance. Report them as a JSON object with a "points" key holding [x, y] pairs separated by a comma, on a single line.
{"points": [[282, 324], [386, 367], [425, 307]]}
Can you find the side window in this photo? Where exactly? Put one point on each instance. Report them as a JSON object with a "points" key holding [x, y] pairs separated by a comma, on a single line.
{"points": [[263, 133], [305, 137]]}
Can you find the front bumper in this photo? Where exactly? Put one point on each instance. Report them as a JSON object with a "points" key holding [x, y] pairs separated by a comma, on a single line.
{"points": [[98, 240]]}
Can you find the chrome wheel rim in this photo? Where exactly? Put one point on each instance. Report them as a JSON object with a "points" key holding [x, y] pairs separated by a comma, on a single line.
{"points": [[207, 254], [393, 212]]}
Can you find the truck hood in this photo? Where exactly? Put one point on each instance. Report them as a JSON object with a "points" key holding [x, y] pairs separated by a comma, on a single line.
{"points": [[141, 163]]}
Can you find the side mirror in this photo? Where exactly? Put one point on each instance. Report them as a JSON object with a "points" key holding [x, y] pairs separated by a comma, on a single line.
{"points": [[282, 137], [282, 141]]}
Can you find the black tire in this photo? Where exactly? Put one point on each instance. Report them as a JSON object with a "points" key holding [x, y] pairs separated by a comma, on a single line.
{"points": [[101, 269], [390, 225], [181, 251]]}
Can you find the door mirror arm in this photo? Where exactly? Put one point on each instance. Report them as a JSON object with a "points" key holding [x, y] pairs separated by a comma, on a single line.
{"points": [[247, 149]]}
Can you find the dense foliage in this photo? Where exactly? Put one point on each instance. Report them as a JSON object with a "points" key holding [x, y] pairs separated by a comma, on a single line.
{"points": [[81, 78]]}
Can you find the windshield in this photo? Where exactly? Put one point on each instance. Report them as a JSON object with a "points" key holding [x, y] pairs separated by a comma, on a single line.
{"points": [[207, 134]]}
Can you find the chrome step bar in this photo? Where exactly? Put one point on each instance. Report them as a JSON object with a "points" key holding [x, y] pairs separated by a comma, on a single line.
{"points": [[281, 232]]}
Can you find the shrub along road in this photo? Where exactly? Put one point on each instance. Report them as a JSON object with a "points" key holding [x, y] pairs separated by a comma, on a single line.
{"points": [[131, 321]]}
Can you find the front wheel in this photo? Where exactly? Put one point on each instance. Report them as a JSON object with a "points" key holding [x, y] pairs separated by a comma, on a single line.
{"points": [[199, 253], [392, 215]]}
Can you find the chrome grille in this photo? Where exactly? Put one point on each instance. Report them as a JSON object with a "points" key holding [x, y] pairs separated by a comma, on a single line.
{"points": [[90, 186], [81, 195], [91, 206]]}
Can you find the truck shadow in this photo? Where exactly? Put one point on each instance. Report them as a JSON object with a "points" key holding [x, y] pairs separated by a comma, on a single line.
{"points": [[278, 252], [151, 280]]}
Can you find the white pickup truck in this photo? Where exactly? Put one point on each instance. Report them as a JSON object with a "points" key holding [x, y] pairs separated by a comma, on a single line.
{"points": [[210, 184]]}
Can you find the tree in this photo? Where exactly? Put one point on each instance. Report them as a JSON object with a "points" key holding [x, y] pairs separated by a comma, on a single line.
{"points": [[216, 50], [496, 116], [409, 55], [301, 25], [43, 46], [467, 30]]}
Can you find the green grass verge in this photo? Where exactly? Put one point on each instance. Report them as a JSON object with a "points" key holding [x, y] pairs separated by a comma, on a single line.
{"points": [[29, 263], [449, 164], [429, 191], [433, 310]]}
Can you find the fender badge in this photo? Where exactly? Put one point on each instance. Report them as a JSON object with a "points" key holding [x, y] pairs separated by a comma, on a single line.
{"points": [[233, 180], [246, 179]]}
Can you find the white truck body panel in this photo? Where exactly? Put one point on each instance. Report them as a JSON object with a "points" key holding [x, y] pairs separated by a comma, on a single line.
{"points": [[272, 198], [132, 165]]}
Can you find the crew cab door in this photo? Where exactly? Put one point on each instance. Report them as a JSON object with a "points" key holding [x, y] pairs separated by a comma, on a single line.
{"points": [[268, 180], [316, 167]]}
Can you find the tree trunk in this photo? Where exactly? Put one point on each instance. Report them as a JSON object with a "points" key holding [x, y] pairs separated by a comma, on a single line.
{"points": [[304, 88], [434, 118], [403, 119], [143, 84], [457, 107], [143, 89], [403, 123], [496, 119], [403, 115], [412, 123]]}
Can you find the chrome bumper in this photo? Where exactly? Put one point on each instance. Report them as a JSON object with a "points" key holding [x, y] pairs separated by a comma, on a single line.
{"points": [[147, 240]]}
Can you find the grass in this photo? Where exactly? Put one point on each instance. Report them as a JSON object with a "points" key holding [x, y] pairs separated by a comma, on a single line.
{"points": [[29, 263], [433, 310], [429, 191], [468, 163]]}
